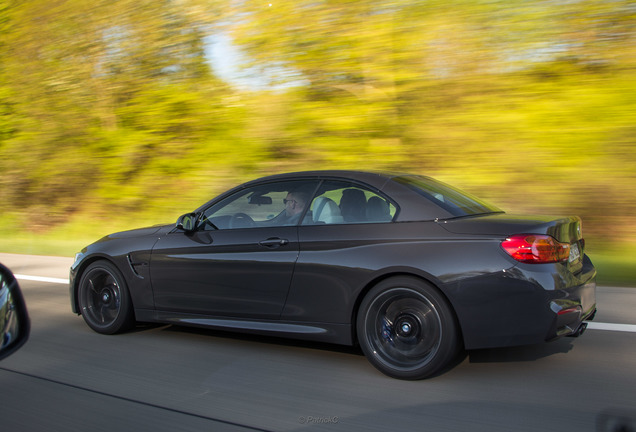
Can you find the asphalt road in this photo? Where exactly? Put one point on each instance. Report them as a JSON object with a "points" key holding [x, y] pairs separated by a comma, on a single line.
{"points": [[166, 378]]}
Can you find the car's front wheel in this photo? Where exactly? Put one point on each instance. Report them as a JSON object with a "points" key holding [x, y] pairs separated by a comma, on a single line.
{"points": [[407, 329], [104, 300]]}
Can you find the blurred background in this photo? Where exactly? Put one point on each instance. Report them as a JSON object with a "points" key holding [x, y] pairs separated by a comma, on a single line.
{"points": [[125, 113]]}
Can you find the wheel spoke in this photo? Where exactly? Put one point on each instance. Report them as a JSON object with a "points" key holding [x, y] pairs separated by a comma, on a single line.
{"points": [[92, 285]]}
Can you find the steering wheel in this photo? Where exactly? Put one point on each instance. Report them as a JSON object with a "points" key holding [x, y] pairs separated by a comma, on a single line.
{"points": [[242, 220]]}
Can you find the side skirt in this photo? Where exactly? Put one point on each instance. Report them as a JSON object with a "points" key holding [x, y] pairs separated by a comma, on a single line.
{"points": [[321, 332]]}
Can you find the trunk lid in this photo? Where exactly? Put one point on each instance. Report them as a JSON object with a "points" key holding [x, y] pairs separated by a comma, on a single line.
{"points": [[564, 229]]}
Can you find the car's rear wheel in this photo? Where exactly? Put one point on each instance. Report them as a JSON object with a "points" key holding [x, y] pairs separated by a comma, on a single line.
{"points": [[104, 300], [407, 329]]}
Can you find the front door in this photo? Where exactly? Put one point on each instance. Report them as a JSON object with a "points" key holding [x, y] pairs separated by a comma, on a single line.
{"points": [[240, 259], [235, 273]]}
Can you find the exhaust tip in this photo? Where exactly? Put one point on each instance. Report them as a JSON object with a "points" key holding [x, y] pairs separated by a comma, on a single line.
{"points": [[579, 331]]}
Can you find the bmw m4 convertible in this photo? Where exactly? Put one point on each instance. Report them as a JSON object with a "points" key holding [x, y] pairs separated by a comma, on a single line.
{"points": [[408, 268]]}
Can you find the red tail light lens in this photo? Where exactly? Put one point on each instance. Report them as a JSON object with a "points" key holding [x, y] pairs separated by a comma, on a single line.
{"points": [[536, 248]]}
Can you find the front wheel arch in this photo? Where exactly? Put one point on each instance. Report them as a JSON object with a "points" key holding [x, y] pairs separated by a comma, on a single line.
{"points": [[103, 298], [79, 272]]}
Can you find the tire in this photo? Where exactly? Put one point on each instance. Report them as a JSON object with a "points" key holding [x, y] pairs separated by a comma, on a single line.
{"points": [[104, 299], [407, 329]]}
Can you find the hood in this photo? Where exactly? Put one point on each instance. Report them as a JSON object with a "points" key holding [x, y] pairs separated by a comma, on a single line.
{"points": [[564, 229], [139, 232]]}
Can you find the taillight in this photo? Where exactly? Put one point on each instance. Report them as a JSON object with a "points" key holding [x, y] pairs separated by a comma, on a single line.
{"points": [[536, 248]]}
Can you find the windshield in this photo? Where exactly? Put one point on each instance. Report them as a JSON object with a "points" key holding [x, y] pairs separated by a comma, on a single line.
{"points": [[453, 200]]}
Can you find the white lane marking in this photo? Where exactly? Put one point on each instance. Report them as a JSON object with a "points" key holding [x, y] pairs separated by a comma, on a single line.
{"points": [[612, 327], [631, 328], [42, 279]]}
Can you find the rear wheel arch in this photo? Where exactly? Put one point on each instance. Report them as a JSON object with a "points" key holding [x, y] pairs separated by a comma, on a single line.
{"points": [[369, 286], [407, 327]]}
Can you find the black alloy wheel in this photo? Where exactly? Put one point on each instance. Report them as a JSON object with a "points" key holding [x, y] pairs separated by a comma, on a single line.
{"points": [[407, 329], [104, 300]]}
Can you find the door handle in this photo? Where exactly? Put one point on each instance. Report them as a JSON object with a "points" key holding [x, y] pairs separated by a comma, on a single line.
{"points": [[273, 242]]}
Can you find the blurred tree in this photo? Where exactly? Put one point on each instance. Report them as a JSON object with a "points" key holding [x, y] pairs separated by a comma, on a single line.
{"points": [[493, 94], [75, 74], [106, 106]]}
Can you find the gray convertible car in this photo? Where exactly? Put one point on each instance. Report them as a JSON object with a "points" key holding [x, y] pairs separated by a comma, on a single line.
{"points": [[408, 268]]}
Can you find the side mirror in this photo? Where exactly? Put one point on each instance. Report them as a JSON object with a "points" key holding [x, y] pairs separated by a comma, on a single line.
{"points": [[188, 222], [14, 318]]}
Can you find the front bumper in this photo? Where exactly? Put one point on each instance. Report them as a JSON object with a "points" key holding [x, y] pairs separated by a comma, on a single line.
{"points": [[73, 272]]}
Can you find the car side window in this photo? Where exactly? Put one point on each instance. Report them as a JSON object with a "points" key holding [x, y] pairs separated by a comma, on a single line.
{"points": [[340, 202], [269, 204]]}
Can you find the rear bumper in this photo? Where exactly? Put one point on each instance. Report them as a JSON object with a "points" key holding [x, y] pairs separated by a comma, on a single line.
{"points": [[524, 305], [572, 313]]}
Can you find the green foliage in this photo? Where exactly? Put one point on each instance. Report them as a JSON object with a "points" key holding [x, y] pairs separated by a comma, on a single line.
{"points": [[110, 112]]}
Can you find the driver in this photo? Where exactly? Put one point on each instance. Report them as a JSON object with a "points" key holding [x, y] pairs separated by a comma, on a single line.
{"points": [[295, 204]]}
